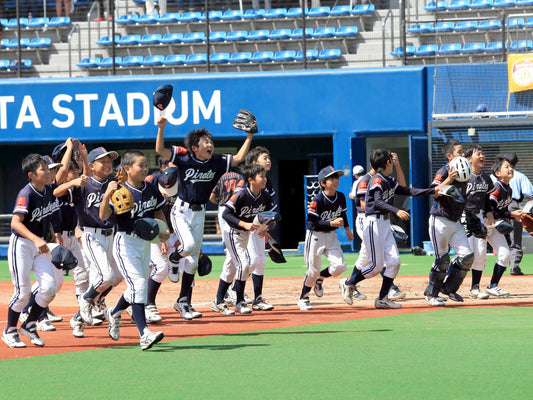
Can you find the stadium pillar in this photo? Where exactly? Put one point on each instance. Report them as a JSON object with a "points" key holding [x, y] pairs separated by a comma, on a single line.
{"points": [[342, 160]]}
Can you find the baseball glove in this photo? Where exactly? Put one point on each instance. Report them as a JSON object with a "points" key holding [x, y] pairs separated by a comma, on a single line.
{"points": [[121, 176], [204, 264], [400, 237], [453, 192], [527, 221], [245, 121], [474, 226], [122, 200]]}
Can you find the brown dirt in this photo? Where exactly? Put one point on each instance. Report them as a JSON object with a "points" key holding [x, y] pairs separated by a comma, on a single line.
{"points": [[281, 292]]}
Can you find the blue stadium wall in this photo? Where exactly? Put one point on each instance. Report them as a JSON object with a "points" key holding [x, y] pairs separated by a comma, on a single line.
{"points": [[346, 105]]}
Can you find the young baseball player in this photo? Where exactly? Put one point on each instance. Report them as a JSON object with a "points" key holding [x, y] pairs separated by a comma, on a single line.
{"points": [[378, 238], [131, 252], [326, 212], [199, 170], [446, 231], [26, 253], [239, 215]]}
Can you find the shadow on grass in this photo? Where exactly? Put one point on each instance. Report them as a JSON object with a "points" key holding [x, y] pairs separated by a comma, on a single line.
{"points": [[166, 347]]}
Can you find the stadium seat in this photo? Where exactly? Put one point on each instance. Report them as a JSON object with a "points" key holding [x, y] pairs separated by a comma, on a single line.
{"points": [[26, 64], [219, 58], [284, 55], [490, 25], [347, 31], [151, 38], [516, 23], [132, 61], [128, 19], [3, 43], [444, 26], [276, 13], [323, 11], [240, 57], [295, 12], [481, 4], [106, 40], [310, 55], [432, 6], [59, 21], [254, 14], [193, 16], [154, 60], [329, 54], [194, 37], [3, 21], [194, 59], [12, 23], [169, 18], [426, 27], [217, 36], [338, 11], [148, 19], [414, 29], [521, 45], [260, 34], [107, 62], [324, 32], [262, 56], [364, 9], [214, 15], [175, 59], [89, 62], [280, 34], [409, 52], [129, 40], [172, 38], [466, 26], [231, 15], [474, 48], [234, 36], [4, 64], [450, 48], [37, 22], [40, 43], [524, 3], [504, 3], [297, 33], [13, 43], [494, 47], [457, 5], [529, 22], [426, 50]]}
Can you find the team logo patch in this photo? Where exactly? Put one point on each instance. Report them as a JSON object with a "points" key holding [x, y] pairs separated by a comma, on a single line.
{"points": [[232, 198], [438, 177], [181, 150], [495, 194], [149, 178], [363, 185], [312, 206], [21, 202], [376, 181]]}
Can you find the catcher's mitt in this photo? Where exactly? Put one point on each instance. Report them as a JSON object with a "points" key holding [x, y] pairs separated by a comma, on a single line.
{"points": [[453, 192], [245, 121], [122, 200], [527, 221], [474, 226]]}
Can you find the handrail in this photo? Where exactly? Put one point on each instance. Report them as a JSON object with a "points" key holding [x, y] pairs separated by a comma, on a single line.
{"points": [[383, 23], [89, 19], [75, 28]]}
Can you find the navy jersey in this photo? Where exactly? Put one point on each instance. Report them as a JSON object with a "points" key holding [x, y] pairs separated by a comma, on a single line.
{"points": [[269, 188], [145, 201], [360, 191], [69, 218], [244, 206], [38, 208], [478, 188], [226, 185], [196, 179], [154, 178], [87, 201], [323, 209], [444, 206], [500, 198]]}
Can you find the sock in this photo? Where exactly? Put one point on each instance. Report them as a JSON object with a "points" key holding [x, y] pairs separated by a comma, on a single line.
{"points": [[385, 287], [153, 287], [258, 285], [496, 275], [140, 318], [121, 306], [325, 273], [186, 283], [91, 294], [305, 291], [357, 276], [30, 303], [239, 289], [222, 289], [12, 319], [476, 277], [189, 297], [35, 313]]}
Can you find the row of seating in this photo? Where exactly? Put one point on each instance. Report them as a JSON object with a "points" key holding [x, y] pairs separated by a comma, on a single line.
{"points": [[462, 5], [35, 23], [466, 49], [35, 43], [469, 26], [7, 65], [215, 58], [233, 36], [12, 4], [232, 15]]}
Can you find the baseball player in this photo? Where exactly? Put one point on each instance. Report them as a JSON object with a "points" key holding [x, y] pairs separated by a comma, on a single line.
{"points": [[131, 252], [31, 221], [325, 213], [241, 210], [199, 170], [378, 238], [445, 231]]}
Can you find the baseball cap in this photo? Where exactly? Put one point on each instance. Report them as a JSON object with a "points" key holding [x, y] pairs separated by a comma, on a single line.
{"points": [[358, 170], [162, 96], [100, 152], [168, 182], [58, 152], [61, 257], [512, 157], [329, 171], [51, 163]]}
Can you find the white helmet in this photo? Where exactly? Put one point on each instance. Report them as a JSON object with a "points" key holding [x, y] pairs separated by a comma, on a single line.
{"points": [[463, 168]]}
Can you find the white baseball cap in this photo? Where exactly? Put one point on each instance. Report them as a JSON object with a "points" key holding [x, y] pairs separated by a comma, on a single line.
{"points": [[358, 170]]}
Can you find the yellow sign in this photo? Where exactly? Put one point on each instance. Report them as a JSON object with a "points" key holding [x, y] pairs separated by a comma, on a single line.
{"points": [[520, 71]]}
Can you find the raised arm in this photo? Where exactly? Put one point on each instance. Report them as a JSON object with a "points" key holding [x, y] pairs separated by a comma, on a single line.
{"points": [[160, 140], [63, 170], [399, 171], [243, 151]]}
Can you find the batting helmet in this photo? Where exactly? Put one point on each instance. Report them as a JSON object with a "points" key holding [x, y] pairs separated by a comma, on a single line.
{"points": [[463, 168]]}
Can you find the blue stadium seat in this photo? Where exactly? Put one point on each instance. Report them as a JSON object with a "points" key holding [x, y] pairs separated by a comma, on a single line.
{"points": [[309, 54], [284, 55], [107, 62], [494, 47], [13, 43], [40, 43], [214, 15], [324, 32], [490, 25], [409, 52], [194, 37], [194, 59], [240, 57], [192, 16], [132, 61], [106, 40], [234, 36], [59, 21], [254, 14], [504, 3], [364, 9], [347, 31], [456, 5], [529, 22], [12, 23], [219, 58], [259, 34], [426, 50], [148, 19], [474, 48], [414, 29], [521, 45], [4, 22], [426, 27], [231, 15], [466, 26], [450, 48], [26, 64], [329, 54], [217, 36], [262, 56], [516, 23], [3, 43], [175, 59], [172, 38], [151, 38], [169, 18], [128, 19], [280, 34], [297, 33], [4, 64], [129, 40], [481, 4], [276, 13], [89, 62], [37, 22], [432, 6], [524, 3], [338, 11], [154, 60], [323, 11], [444, 26], [295, 12]]}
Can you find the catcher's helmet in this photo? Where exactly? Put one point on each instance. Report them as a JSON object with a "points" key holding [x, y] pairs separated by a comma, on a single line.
{"points": [[463, 168]]}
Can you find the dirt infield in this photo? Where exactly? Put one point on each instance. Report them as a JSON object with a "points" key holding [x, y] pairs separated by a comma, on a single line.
{"points": [[281, 292]]}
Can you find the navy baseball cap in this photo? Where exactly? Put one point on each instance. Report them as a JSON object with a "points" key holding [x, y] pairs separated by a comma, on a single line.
{"points": [[59, 150], [168, 182], [146, 228], [329, 171], [512, 158], [62, 258], [51, 163], [162, 96], [100, 152]]}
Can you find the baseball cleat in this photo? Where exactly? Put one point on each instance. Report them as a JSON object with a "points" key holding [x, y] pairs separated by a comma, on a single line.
{"points": [[304, 304], [32, 334], [52, 317], [183, 308], [174, 272], [386, 303], [12, 339], [152, 314], [347, 291], [231, 297], [242, 308], [475, 293], [357, 295], [113, 328], [45, 325], [260, 304], [194, 313], [318, 289], [77, 327], [86, 307], [396, 294], [516, 271], [222, 308], [434, 301], [456, 297], [150, 338], [496, 291]]}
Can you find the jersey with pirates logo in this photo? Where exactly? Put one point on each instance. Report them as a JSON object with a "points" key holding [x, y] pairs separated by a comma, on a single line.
{"points": [[445, 206], [244, 206], [478, 188], [196, 179], [146, 200], [87, 200], [38, 208], [500, 198], [323, 209], [360, 191]]}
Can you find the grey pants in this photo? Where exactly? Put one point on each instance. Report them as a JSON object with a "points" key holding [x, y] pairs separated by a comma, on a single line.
{"points": [[516, 239]]}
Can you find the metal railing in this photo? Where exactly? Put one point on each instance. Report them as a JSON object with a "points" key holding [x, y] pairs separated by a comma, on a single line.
{"points": [[5, 227], [75, 29], [90, 13], [383, 34]]}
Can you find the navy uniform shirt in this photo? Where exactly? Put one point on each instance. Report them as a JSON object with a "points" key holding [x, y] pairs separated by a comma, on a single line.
{"points": [[444, 206], [87, 200], [153, 178], [167, 207], [38, 208], [196, 179], [69, 218], [360, 191], [478, 188], [500, 198], [323, 209], [226, 185], [244, 206], [269, 188], [145, 201]]}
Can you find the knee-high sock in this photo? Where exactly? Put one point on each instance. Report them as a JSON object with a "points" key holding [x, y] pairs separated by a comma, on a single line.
{"points": [[497, 275], [357, 276], [153, 287], [385, 287], [305, 291], [222, 289], [139, 316], [186, 286], [239, 290], [122, 304], [258, 285], [476, 277]]}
